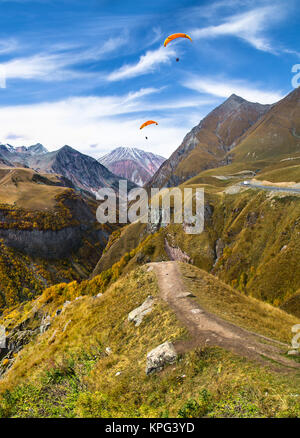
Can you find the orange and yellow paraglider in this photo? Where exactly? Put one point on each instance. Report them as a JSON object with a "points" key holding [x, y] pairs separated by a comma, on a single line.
{"points": [[149, 122], [174, 36]]}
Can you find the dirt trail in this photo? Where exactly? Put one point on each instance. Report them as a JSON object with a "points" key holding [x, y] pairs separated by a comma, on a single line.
{"points": [[208, 329]]}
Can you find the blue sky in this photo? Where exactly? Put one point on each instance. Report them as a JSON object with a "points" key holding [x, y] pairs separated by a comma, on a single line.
{"points": [[88, 72]]}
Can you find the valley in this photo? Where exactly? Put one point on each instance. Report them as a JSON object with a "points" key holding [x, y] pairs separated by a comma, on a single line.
{"points": [[142, 319]]}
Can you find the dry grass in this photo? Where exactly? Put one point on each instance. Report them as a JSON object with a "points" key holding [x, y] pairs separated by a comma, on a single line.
{"points": [[101, 321], [67, 373], [18, 188], [231, 305]]}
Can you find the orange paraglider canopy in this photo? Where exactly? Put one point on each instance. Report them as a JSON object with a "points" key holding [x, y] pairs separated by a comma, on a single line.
{"points": [[174, 36], [149, 122]]}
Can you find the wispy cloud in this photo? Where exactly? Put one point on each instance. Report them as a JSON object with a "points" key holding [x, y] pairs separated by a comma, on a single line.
{"points": [[224, 88], [58, 63], [249, 26], [8, 46], [146, 64]]}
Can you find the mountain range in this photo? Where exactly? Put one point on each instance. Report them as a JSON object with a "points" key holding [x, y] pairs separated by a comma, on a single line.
{"points": [[81, 170], [134, 164], [93, 313]]}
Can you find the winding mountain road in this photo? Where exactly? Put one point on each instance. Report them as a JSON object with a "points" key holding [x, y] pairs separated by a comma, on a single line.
{"points": [[271, 188]]}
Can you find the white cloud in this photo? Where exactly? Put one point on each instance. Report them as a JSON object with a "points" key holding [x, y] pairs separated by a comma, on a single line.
{"points": [[146, 64], [249, 26], [92, 124], [224, 88], [58, 66], [8, 46]]}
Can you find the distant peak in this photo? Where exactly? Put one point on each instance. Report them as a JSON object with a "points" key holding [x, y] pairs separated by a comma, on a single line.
{"points": [[66, 148], [38, 148], [235, 97]]}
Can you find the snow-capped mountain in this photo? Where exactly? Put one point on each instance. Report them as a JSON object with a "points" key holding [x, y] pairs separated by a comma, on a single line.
{"points": [[134, 164]]}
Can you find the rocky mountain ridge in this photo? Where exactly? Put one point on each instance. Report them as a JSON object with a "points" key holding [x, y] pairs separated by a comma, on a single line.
{"points": [[208, 144], [83, 171]]}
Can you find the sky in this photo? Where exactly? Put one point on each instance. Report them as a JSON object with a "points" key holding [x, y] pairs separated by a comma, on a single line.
{"points": [[88, 73]]}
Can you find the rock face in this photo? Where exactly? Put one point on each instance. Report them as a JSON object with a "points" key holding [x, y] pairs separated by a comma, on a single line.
{"points": [[21, 154], [133, 164], [50, 244], [162, 355], [207, 145], [47, 244], [138, 314]]}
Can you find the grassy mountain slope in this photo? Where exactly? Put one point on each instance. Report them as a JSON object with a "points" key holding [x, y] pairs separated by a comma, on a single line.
{"points": [[275, 135], [250, 241], [68, 371], [208, 143], [239, 134]]}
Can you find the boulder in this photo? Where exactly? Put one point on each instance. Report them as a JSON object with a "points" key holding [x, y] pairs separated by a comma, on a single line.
{"points": [[2, 337], [138, 314], [17, 339], [162, 355]]}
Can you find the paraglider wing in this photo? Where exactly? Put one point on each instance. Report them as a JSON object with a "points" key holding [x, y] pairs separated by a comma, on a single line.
{"points": [[174, 36], [149, 122]]}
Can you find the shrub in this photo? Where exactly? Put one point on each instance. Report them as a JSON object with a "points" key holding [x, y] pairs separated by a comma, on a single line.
{"points": [[196, 408]]}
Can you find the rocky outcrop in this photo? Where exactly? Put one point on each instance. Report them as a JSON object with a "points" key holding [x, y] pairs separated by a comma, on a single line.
{"points": [[138, 314], [219, 248], [37, 323], [175, 253], [45, 324], [162, 355], [15, 341]]}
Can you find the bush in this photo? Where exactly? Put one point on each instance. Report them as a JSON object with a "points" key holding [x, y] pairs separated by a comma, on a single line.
{"points": [[196, 408]]}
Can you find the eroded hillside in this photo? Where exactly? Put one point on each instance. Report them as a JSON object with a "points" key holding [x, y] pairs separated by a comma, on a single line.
{"points": [[48, 234]]}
